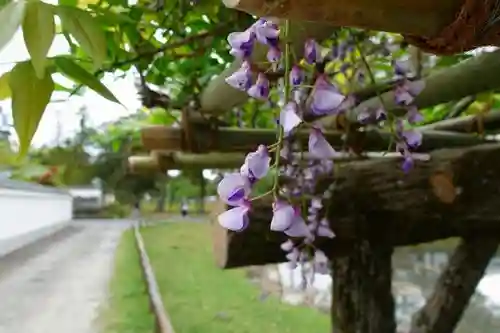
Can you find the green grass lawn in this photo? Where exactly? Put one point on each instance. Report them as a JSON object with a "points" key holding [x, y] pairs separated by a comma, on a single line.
{"points": [[128, 308], [198, 296]]}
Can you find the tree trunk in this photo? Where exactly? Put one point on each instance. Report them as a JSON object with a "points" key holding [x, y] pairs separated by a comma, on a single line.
{"points": [[455, 286], [362, 290], [160, 203], [203, 192]]}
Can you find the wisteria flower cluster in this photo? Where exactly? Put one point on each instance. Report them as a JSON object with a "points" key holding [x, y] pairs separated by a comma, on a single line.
{"points": [[307, 90]]}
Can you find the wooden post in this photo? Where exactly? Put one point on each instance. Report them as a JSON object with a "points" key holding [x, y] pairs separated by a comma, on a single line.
{"points": [[362, 290]]}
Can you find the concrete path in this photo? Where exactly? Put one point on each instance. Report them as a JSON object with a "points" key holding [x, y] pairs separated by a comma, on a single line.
{"points": [[58, 286]]}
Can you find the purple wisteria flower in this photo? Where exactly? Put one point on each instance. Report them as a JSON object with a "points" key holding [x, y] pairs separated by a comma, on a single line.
{"points": [[407, 139], [318, 146], [260, 90], [289, 119], [369, 115], [263, 31], [326, 98], [298, 228], [273, 55], [234, 189], [266, 32], [283, 216], [256, 164], [235, 219], [296, 76], [312, 52], [242, 78], [241, 43]]}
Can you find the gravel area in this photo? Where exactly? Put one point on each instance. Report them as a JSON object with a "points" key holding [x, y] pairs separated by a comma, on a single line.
{"points": [[58, 286]]}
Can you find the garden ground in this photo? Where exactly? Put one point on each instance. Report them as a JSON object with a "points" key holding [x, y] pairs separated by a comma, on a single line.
{"points": [[198, 296]]}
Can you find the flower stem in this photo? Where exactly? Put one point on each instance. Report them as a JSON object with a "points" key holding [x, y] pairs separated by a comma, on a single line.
{"points": [[279, 129], [390, 117]]}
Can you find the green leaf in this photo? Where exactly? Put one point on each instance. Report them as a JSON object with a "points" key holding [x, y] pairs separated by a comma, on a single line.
{"points": [[4, 86], [86, 31], [30, 96], [69, 68], [38, 31], [11, 17]]}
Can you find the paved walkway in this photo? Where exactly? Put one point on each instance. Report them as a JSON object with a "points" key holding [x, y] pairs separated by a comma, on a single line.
{"points": [[58, 286]]}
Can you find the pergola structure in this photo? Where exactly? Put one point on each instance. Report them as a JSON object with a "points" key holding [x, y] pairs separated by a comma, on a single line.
{"points": [[375, 207]]}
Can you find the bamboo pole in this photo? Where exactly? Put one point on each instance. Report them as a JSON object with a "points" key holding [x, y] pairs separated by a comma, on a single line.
{"points": [[422, 18], [166, 160], [467, 124], [142, 164], [470, 77], [229, 139]]}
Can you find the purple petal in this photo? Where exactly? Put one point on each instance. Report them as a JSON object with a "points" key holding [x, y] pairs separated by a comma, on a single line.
{"points": [[235, 219], [266, 32], [287, 246], [238, 39], [414, 116], [326, 99], [241, 43], [233, 189], [311, 51], [402, 96], [296, 76], [283, 216], [260, 90], [413, 137], [257, 163], [298, 228], [401, 67], [273, 55], [407, 164], [241, 79], [318, 146], [289, 118]]}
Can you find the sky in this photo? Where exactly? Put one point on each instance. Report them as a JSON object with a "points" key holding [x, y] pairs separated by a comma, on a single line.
{"points": [[99, 110]]}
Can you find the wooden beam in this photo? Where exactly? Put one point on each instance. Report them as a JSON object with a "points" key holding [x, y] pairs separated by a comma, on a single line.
{"points": [[422, 18], [201, 139], [362, 290], [455, 286], [445, 85], [219, 97], [453, 194]]}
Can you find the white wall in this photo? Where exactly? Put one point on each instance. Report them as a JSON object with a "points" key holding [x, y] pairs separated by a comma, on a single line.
{"points": [[28, 214]]}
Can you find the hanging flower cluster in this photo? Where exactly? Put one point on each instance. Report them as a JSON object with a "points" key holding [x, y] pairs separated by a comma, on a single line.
{"points": [[298, 211]]}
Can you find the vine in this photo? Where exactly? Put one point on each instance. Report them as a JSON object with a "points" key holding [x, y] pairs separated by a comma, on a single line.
{"points": [[308, 90]]}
